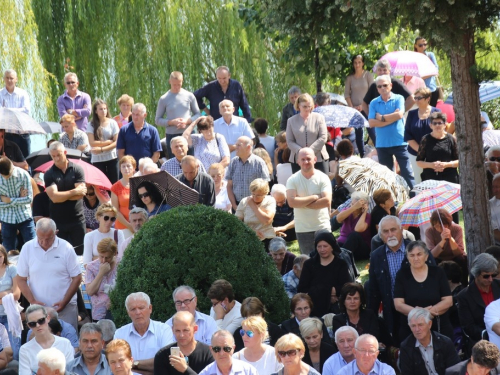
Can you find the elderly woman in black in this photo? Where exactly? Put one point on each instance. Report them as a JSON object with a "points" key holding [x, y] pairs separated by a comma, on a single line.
{"points": [[324, 274]]}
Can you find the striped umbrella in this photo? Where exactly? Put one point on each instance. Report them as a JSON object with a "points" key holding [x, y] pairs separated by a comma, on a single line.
{"points": [[418, 210], [18, 122], [488, 90], [368, 176]]}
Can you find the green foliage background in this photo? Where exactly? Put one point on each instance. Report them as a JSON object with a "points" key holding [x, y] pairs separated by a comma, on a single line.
{"points": [[196, 245]]}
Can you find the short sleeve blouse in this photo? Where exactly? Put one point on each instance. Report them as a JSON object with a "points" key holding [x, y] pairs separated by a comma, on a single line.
{"points": [[108, 133]]}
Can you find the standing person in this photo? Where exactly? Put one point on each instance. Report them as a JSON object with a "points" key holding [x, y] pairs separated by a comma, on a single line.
{"points": [[420, 46], [138, 138], [36, 261], [8, 284], [307, 129], [309, 193], [177, 108], [74, 102], [261, 126], [73, 138], [386, 116], [120, 194], [125, 103], [223, 88], [289, 109], [16, 195], [65, 186], [356, 86], [231, 126], [103, 134], [16, 99]]}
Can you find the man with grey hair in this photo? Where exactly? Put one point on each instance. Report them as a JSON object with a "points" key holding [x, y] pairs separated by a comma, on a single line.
{"points": [[65, 186], [196, 180], [137, 217], [345, 338], [283, 222], [385, 262], [386, 116], [138, 138], [288, 109], [144, 335], [185, 300], [16, 99], [223, 88], [280, 254], [231, 126], [179, 147], [108, 329], [222, 347], [492, 166], [425, 351], [92, 360], [473, 300], [291, 279], [74, 101], [51, 361], [242, 170], [45, 255]]}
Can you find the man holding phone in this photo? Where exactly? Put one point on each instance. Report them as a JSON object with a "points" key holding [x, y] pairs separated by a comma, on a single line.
{"points": [[186, 355]]}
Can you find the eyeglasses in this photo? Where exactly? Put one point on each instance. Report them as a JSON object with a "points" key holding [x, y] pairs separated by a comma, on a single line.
{"points": [[112, 218], [422, 45], [437, 123], [217, 349], [488, 275], [70, 83], [290, 353], [185, 302], [365, 352], [384, 85], [90, 193], [249, 333], [495, 159], [40, 322], [419, 97], [145, 195]]}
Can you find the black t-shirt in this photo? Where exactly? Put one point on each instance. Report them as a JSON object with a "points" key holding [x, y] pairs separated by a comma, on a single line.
{"points": [[200, 358], [68, 212], [12, 151], [41, 205], [397, 88], [377, 214]]}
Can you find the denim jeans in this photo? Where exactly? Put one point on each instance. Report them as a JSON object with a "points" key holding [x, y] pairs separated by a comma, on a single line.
{"points": [[15, 342], [402, 155], [9, 233]]}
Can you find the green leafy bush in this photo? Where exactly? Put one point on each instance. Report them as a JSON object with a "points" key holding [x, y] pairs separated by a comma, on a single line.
{"points": [[196, 245]]}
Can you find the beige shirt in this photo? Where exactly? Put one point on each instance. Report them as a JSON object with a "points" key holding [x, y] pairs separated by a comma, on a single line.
{"points": [[311, 133], [246, 213]]}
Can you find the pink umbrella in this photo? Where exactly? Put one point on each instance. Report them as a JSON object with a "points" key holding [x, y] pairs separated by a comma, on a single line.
{"points": [[93, 176], [409, 63]]}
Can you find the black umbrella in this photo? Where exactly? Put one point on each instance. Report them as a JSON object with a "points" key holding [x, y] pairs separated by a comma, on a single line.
{"points": [[37, 158], [173, 192]]}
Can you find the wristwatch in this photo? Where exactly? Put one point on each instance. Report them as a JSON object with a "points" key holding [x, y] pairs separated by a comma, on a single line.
{"points": [[383, 118], [135, 365]]}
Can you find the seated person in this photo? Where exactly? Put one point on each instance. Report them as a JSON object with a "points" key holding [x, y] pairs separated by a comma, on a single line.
{"points": [[281, 256], [317, 350], [485, 357], [225, 309], [345, 337], [454, 276], [283, 222], [150, 199], [355, 233], [291, 279], [384, 205]]}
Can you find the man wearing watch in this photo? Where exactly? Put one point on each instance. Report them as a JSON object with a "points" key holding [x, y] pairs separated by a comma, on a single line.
{"points": [[386, 116], [74, 102], [144, 335]]}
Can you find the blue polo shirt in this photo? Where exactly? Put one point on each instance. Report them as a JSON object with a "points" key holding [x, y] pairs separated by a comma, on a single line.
{"points": [[139, 145], [393, 134]]}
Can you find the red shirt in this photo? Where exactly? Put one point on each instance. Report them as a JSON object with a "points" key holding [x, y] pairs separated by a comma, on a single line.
{"points": [[487, 296]]}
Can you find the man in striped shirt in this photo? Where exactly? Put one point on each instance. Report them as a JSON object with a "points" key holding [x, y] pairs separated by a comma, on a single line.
{"points": [[16, 196]]}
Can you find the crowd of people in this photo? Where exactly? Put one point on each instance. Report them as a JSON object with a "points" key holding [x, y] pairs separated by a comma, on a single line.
{"points": [[64, 237]]}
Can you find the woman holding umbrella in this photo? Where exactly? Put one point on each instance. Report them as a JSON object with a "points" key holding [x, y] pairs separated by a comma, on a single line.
{"points": [[151, 199], [420, 46]]}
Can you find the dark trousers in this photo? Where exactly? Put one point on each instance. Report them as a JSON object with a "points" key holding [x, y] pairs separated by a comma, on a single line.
{"points": [[357, 245], [109, 168], [74, 233], [320, 166], [22, 140], [402, 155]]}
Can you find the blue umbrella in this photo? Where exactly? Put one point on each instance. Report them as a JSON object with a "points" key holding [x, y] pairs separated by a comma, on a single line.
{"points": [[339, 116], [488, 90]]}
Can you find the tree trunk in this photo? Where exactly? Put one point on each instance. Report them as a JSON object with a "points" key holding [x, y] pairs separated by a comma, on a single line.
{"points": [[478, 233], [317, 67]]}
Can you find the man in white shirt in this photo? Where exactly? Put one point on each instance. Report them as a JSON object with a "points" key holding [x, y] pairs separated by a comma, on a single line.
{"points": [[492, 322], [137, 216], [53, 270], [309, 193], [345, 337], [144, 335], [185, 300]]}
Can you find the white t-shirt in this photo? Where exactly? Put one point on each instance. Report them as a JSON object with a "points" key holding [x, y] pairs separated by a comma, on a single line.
{"points": [[267, 364], [93, 238], [28, 363], [307, 219], [492, 316], [222, 201], [232, 320], [108, 132]]}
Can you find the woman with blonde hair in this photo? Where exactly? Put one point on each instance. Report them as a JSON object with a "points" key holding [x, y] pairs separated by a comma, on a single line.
{"points": [[106, 216], [289, 351], [256, 353], [100, 278], [125, 103], [317, 350]]}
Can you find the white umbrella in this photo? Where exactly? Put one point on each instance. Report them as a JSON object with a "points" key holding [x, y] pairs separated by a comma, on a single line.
{"points": [[18, 122], [51, 127]]}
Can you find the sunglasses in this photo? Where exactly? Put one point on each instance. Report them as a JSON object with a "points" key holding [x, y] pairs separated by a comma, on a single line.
{"points": [[419, 97], [437, 123], [249, 333], [90, 193], [290, 353], [384, 85], [70, 83], [40, 322], [495, 159], [488, 275], [106, 218], [422, 45], [145, 195], [217, 349]]}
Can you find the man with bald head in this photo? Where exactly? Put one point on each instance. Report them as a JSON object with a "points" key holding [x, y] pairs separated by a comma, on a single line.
{"points": [[199, 181], [309, 192], [242, 170], [194, 355], [231, 126], [366, 362]]}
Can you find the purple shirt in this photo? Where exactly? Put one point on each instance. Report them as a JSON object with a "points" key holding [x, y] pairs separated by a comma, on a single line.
{"points": [[81, 104], [348, 226]]}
